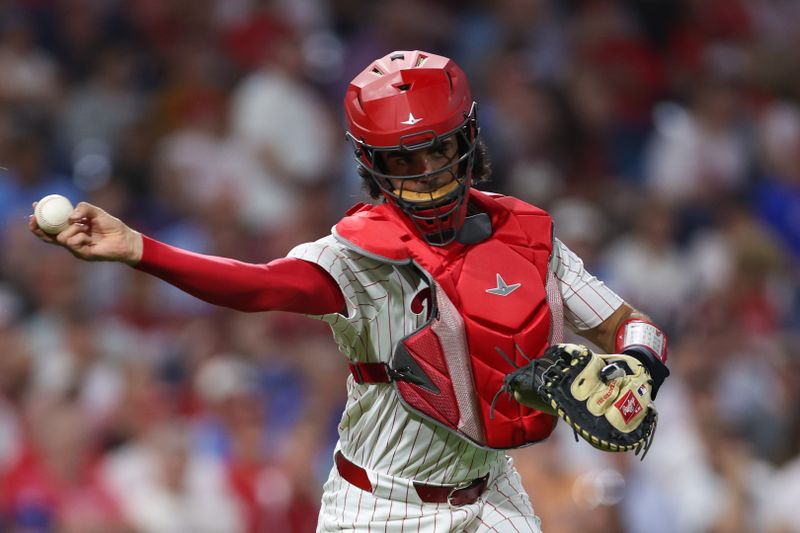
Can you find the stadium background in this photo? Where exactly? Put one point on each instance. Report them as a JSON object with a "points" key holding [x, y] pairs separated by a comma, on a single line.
{"points": [[663, 135]]}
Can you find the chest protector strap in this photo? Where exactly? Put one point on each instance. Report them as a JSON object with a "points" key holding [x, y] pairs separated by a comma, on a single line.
{"points": [[495, 306]]}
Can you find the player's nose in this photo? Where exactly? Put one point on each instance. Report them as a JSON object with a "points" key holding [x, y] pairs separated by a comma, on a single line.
{"points": [[424, 164]]}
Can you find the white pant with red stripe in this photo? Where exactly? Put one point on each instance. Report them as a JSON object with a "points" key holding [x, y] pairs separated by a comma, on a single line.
{"points": [[395, 507]]}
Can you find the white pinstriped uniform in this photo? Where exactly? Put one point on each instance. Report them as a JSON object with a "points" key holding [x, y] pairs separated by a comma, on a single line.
{"points": [[395, 446]]}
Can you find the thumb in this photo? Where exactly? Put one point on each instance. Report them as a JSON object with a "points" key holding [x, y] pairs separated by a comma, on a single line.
{"points": [[85, 210]]}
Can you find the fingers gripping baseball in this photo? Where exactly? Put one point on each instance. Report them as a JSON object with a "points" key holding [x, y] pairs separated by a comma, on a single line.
{"points": [[77, 241], [94, 235]]}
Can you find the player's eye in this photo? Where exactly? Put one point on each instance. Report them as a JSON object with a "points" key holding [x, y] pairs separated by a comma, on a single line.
{"points": [[395, 158], [443, 148]]}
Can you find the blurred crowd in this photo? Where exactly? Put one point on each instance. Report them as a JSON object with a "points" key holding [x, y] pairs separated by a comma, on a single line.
{"points": [[663, 136]]}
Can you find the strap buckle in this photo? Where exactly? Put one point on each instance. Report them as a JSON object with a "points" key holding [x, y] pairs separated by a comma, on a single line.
{"points": [[370, 372], [455, 489], [355, 369], [476, 488]]}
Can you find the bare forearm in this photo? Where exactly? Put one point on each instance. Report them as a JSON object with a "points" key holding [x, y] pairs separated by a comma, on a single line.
{"points": [[604, 335], [631, 332]]}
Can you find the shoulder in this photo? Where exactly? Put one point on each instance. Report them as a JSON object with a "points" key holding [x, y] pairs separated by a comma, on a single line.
{"points": [[512, 216], [373, 231], [316, 251], [509, 203], [333, 255], [324, 251]]}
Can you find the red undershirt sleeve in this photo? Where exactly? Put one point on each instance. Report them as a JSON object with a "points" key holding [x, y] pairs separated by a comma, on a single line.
{"points": [[285, 284]]}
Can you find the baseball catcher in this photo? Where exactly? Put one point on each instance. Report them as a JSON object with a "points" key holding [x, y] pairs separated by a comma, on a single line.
{"points": [[605, 398], [434, 292]]}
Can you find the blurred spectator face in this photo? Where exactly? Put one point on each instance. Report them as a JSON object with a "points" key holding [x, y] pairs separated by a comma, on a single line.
{"points": [[716, 103], [529, 112], [227, 385], [61, 437], [779, 142], [26, 160], [405, 21], [15, 363], [81, 340], [115, 68], [57, 285], [591, 98], [17, 34], [80, 24], [171, 446], [656, 224], [520, 15], [286, 53], [581, 226]]}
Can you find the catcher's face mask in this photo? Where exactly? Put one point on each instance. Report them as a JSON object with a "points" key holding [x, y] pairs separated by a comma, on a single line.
{"points": [[413, 127]]}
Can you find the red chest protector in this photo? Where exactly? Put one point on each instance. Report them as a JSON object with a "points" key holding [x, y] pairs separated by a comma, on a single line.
{"points": [[492, 304]]}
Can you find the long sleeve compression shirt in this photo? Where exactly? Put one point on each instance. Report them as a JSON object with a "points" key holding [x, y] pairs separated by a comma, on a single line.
{"points": [[285, 284]]}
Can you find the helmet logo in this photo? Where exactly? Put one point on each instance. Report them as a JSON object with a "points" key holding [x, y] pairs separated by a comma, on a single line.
{"points": [[411, 120]]}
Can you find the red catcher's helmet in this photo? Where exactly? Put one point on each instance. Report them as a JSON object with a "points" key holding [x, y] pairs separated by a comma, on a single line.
{"points": [[412, 100]]}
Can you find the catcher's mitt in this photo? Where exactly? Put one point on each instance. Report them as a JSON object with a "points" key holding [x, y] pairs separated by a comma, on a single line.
{"points": [[605, 398]]}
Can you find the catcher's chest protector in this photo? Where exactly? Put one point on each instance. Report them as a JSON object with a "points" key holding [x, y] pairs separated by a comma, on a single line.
{"points": [[492, 303]]}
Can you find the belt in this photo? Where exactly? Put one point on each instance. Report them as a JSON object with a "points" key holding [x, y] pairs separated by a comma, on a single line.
{"points": [[463, 494], [370, 372]]}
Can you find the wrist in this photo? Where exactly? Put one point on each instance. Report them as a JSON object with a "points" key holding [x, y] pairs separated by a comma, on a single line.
{"points": [[136, 249], [648, 344]]}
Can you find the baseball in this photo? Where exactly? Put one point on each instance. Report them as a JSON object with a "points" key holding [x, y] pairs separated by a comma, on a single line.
{"points": [[52, 213]]}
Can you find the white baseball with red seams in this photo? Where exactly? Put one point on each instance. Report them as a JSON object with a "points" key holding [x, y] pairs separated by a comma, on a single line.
{"points": [[52, 213], [396, 448]]}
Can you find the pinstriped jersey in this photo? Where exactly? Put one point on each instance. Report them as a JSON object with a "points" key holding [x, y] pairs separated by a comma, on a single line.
{"points": [[386, 302]]}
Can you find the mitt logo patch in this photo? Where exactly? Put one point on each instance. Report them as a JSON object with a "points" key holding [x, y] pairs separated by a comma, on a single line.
{"points": [[628, 406]]}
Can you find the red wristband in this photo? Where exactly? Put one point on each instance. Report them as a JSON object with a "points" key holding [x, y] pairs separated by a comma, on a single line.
{"points": [[636, 332]]}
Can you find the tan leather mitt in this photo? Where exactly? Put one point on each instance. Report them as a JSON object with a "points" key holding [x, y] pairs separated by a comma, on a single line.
{"points": [[605, 398]]}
